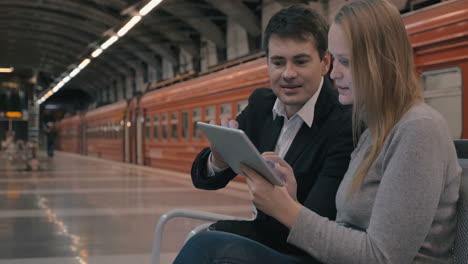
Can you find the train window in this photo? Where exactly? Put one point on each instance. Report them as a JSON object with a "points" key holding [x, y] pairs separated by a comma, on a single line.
{"points": [[164, 126], [210, 113], [443, 91], [226, 111], [156, 127], [241, 105], [174, 125], [148, 128], [185, 122], [196, 117]]}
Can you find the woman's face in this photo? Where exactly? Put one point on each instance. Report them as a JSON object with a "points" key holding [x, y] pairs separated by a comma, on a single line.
{"points": [[341, 73]]}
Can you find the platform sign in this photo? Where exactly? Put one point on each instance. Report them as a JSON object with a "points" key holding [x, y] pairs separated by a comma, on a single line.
{"points": [[11, 114]]}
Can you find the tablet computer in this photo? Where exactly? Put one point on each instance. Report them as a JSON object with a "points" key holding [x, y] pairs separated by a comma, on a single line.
{"points": [[236, 148]]}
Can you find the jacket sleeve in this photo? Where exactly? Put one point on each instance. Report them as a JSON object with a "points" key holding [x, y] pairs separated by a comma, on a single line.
{"points": [[199, 170], [321, 197]]}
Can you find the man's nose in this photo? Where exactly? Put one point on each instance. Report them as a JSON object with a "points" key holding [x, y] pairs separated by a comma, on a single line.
{"points": [[289, 71]]}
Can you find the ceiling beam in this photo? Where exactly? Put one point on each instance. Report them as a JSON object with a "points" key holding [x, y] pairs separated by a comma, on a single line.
{"points": [[240, 13], [191, 15]]}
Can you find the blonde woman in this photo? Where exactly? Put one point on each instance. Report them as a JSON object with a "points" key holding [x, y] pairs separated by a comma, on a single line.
{"points": [[397, 201]]}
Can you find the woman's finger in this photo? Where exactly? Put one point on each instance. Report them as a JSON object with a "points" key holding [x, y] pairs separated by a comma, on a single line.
{"points": [[273, 157]]}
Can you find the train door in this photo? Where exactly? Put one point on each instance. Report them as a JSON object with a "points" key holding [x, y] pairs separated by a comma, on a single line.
{"points": [[140, 120], [126, 132], [133, 133]]}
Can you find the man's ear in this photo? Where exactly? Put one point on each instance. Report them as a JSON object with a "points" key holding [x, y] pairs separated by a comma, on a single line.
{"points": [[325, 63]]}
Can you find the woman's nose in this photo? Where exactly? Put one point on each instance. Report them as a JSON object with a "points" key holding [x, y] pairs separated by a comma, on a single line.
{"points": [[336, 72]]}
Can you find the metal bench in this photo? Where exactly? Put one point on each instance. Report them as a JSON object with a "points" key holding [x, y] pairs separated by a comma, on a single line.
{"points": [[460, 249]]}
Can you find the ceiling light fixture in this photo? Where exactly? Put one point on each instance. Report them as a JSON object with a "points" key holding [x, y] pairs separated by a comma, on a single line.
{"points": [[128, 26], [124, 30], [7, 70]]}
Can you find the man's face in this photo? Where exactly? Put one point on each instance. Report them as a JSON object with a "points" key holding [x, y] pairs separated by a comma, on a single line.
{"points": [[295, 70]]}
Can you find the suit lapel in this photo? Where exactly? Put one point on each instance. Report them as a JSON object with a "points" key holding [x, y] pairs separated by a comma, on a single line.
{"points": [[304, 138], [272, 133], [308, 136]]}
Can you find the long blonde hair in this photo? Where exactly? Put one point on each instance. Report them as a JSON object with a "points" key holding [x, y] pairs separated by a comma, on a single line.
{"points": [[382, 67]]}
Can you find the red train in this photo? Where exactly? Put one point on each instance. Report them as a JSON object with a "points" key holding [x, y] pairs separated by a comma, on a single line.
{"points": [[157, 129]]}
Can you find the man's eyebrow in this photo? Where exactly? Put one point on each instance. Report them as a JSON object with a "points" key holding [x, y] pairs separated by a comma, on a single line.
{"points": [[276, 58], [302, 56]]}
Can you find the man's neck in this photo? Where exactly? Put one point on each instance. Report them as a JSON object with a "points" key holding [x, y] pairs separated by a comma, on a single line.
{"points": [[292, 110]]}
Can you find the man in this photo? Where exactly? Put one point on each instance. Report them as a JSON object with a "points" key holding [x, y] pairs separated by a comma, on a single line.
{"points": [[51, 134], [300, 119]]}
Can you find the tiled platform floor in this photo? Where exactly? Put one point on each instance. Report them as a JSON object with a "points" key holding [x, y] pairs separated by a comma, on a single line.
{"points": [[90, 211]]}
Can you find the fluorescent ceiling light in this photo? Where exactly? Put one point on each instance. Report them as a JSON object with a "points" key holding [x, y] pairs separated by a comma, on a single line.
{"points": [[7, 70], [74, 72], [148, 7], [109, 42], [96, 53], [66, 79], [128, 26], [84, 63]]}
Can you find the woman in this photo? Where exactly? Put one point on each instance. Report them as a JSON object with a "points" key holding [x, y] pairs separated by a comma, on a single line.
{"points": [[397, 201]]}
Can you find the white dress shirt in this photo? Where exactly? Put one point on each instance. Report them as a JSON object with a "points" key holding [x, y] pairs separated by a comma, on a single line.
{"points": [[290, 126]]}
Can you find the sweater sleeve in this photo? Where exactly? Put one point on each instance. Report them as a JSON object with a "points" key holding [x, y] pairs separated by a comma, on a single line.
{"points": [[413, 174]]}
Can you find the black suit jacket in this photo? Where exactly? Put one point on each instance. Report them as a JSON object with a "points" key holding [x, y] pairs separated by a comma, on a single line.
{"points": [[319, 156]]}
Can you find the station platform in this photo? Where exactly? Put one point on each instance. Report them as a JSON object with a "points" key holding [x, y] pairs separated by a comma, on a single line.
{"points": [[84, 210]]}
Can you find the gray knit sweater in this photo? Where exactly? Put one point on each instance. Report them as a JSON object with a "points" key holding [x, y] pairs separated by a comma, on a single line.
{"points": [[405, 211]]}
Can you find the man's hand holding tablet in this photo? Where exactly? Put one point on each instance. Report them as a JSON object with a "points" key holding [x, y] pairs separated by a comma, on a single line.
{"points": [[216, 158], [231, 147]]}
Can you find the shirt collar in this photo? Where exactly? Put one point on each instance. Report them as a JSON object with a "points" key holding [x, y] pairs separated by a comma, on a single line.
{"points": [[307, 111]]}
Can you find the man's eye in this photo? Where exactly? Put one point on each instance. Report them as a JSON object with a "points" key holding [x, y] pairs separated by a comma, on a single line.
{"points": [[301, 62], [277, 63]]}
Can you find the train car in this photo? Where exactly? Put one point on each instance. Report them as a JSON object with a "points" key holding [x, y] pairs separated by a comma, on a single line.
{"points": [[104, 132], [439, 36], [70, 136], [170, 138], [158, 129]]}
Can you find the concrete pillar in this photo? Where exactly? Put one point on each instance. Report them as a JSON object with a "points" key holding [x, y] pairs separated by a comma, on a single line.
{"points": [[269, 8], [208, 54], [139, 80], [103, 96], [98, 97], [185, 61], [129, 85], [116, 91], [152, 73], [111, 93], [120, 85], [168, 69], [237, 40]]}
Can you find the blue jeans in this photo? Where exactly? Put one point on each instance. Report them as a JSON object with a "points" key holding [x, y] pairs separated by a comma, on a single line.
{"points": [[214, 247]]}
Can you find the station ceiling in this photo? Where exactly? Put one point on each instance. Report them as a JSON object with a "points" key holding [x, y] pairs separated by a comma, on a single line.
{"points": [[48, 37]]}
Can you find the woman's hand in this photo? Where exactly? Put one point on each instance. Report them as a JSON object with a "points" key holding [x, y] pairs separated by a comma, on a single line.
{"points": [[271, 199], [284, 171]]}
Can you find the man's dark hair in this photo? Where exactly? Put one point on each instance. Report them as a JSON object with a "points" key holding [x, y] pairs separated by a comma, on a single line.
{"points": [[300, 23]]}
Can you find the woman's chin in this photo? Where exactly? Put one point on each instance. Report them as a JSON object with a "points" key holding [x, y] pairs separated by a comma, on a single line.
{"points": [[345, 99]]}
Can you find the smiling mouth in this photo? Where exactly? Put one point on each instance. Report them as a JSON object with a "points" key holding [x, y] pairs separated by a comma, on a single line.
{"points": [[290, 86]]}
